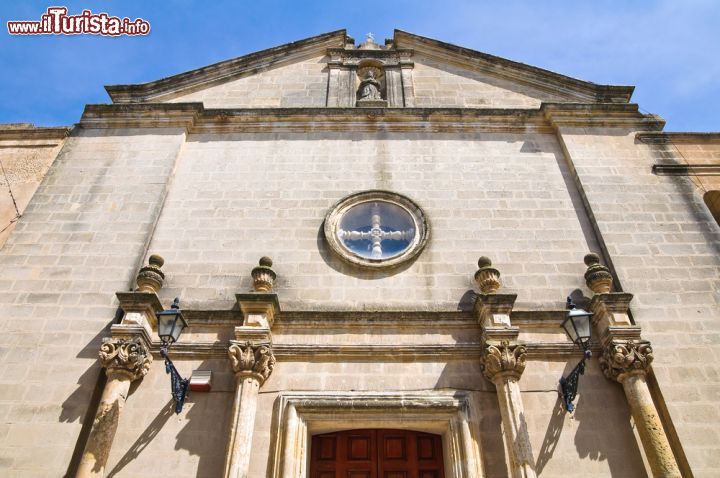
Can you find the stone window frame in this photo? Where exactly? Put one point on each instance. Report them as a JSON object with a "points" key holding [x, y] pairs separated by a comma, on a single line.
{"points": [[299, 415], [334, 216]]}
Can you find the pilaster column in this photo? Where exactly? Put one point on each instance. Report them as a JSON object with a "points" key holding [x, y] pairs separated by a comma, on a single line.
{"points": [[126, 357], [503, 362], [393, 86], [408, 87], [626, 359], [627, 362], [125, 360], [252, 362], [335, 97]]}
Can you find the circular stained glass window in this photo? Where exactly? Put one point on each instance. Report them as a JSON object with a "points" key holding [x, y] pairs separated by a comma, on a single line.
{"points": [[376, 228]]}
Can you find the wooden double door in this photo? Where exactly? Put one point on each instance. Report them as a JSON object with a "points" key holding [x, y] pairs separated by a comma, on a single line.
{"points": [[376, 454]]}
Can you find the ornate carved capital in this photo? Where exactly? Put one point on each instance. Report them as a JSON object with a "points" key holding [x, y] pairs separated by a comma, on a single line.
{"points": [[623, 357], [252, 360], [126, 357], [503, 360]]}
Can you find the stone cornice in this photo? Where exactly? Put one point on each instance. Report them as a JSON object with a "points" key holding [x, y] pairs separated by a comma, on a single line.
{"points": [[29, 132], [345, 320], [686, 169], [538, 78], [147, 115], [292, 320], [195, 119], [677, 137], [425, 120], [226, 70], [426, 352], [601, 115], [134, 300], [409, 402], [392, 57]]}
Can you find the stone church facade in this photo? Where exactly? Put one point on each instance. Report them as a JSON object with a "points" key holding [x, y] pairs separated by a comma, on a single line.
{"points": [[372, 246]]}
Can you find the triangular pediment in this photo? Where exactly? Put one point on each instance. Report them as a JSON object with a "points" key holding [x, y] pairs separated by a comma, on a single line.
{"points": [[213, 81], [514, 81], [435, 75]]}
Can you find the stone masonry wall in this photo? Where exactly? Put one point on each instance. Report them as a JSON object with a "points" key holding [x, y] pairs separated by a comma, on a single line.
{"points": [[440, 85], [25, 161], [301, 84], [235, 197], [703, 152], [238, 197], [663, 242], [79, 242]]}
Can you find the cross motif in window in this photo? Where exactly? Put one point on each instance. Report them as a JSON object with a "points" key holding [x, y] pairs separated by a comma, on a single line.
{"points": [[376, 235]]}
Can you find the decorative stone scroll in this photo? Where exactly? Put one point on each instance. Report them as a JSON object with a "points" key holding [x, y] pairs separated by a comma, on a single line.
{"points": [[621, 358], [504, 359], [128, 357], [252, 360]]}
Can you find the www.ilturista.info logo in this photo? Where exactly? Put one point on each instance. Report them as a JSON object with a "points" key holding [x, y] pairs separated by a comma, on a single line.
{"points": [[56, 21]]}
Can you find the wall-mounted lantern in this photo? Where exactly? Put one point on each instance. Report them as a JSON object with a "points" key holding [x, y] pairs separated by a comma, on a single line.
{"points": [[170, 325], [578, 326]]}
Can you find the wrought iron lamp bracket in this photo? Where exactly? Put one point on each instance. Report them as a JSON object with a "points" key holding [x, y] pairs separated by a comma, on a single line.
{"points": [[178, 385], [569, 384]]}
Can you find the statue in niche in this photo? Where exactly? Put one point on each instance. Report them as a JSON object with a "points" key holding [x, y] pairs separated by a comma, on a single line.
{"points": [[370, 87]]}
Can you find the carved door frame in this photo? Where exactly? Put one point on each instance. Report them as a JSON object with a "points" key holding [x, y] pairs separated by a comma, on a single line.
{"points": [[298, 416]]}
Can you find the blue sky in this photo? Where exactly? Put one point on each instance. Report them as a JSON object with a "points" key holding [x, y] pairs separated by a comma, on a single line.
{"points": [[670, 50]]}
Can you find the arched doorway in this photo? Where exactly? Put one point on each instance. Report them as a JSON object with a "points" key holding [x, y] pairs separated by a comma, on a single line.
{"points": [[378, 453]]}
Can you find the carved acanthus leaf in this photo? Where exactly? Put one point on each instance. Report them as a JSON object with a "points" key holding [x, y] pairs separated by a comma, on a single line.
{"points": [[255, 360], [506, 359], [623, 357], [129, 357]]}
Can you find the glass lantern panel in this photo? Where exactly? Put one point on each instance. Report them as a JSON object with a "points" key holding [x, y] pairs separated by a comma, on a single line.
{"points": [[166, 327], [178, 327], [582, 324], [570, 329]]}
